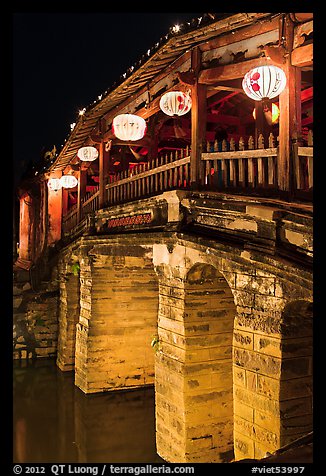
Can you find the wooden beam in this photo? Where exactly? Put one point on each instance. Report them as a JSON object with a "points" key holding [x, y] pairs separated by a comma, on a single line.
{"points": [[104, 158], [198, 132], [307, 94], [223, 118], [302, 56], [230, 71], [302, 17], [243, 33], [233, 85], [82, 180]]}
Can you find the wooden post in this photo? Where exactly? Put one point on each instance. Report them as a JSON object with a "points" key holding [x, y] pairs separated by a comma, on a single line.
{"points": [[261, 125], [153, 133], [56, 208], [64, 201], [198, 121], [104, 157], [290, 114], [82, 180], [26, 227], [198, 132]]}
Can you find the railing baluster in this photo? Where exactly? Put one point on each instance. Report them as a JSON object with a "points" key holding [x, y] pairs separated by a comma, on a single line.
{"points": [[260, 163], [270, 162], [233, 174], [251, 172]]}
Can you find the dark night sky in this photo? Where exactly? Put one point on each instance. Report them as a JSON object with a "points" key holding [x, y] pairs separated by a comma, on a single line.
{"points": [[63, 61]]}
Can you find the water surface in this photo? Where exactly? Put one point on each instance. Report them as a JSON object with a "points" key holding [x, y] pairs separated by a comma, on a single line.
{"points": [[55, 422]]}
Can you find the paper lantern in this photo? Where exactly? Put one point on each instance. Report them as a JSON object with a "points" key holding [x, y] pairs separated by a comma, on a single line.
{"points": [[68, 181], [264, 82], [274, 116], [129, 127], [54, 184], [175, 103], [87, 154]]}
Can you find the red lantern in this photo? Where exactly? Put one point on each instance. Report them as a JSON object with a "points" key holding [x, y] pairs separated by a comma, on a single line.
{"points": [[175, 103], [129, 127]]}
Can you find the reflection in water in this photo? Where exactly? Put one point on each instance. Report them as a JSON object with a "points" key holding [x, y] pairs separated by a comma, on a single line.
{"points": [[55, 422]]}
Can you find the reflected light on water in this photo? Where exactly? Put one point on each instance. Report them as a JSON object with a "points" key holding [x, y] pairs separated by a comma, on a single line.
{"points": [[54, 421]]}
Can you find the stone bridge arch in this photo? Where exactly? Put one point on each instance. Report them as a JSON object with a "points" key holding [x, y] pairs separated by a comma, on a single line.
{"points": [[233, 363]]}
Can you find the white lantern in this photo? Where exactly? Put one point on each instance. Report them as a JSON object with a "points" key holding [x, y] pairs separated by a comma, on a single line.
{"points": [[87, 154], [129, 127], [264, 82], [54, 184], [68, 181], [175, 103]]}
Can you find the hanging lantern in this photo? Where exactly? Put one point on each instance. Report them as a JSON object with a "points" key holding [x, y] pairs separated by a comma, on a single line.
{"points": [[175, 103], [271, 118], [68, 181], [87, 154], [54, 184], [129, 127], [264, 82]]}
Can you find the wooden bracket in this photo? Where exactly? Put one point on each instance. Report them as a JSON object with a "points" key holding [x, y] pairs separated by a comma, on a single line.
{"points": [[275, 53], [188, 78]]}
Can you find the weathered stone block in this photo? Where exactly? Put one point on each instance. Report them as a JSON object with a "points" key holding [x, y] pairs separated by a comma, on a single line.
{"points": [[244, 340], [263, 364], [243, 446]]}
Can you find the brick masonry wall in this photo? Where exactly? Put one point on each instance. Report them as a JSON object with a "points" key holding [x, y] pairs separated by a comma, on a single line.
{"points": [[35, 320]]}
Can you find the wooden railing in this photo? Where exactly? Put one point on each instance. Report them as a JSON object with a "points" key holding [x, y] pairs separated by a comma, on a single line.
{"points": [[239, 167], [69, 221], [303, 165], [90, 203], [163, 173]]}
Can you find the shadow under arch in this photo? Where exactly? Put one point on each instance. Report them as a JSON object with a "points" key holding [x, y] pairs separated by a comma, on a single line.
{"points": [[68, 315], [296, 381]]}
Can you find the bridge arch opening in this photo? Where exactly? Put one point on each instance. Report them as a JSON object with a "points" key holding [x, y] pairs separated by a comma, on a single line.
{"points": [[194, 390]]}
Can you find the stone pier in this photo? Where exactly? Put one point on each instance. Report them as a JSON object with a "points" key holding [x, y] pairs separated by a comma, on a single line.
{"points": [[118, 318]]}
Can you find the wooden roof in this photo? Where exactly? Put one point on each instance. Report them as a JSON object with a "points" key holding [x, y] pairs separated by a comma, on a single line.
{"points": [[174, 46]]}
